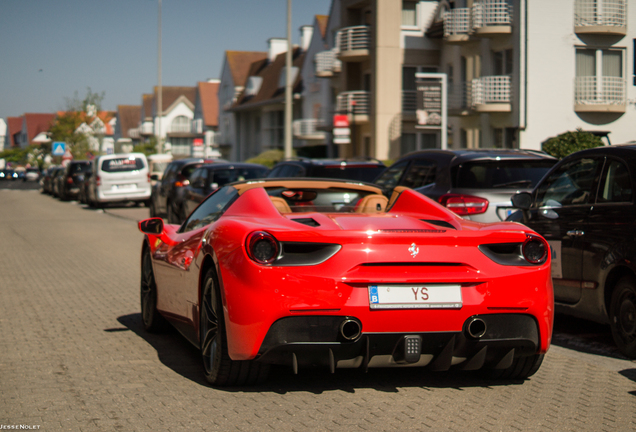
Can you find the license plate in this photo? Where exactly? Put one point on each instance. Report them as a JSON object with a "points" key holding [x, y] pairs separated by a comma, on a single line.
{"points": [[433, 296], [123, 186]]}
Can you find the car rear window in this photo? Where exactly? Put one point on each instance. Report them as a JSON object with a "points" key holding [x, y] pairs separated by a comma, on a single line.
{"points": [[123, 164], [79, 168], [332, 200], [362, 173], [500, 174], [224, 176]]}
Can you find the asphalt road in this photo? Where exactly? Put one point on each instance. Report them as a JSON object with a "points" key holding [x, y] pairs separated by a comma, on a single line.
{"points": [[74, 356]]}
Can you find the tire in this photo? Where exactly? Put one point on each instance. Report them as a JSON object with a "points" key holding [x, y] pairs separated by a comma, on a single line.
{"points": [[152, 320], [219, 369], [521, 368], [623, 316]]}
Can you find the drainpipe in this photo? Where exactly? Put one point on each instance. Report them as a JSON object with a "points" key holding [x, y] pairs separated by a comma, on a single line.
{"points": [[523, 41]]}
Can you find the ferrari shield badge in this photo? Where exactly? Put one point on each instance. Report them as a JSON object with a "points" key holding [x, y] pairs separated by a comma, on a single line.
{"points": [[414, 250]]}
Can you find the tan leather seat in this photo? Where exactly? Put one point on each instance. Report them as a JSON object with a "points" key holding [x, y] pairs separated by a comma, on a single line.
{"points": [[372, 204], [280, 204]]}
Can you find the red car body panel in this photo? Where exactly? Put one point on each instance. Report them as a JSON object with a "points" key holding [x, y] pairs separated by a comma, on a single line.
{"points": [[374, 250]]}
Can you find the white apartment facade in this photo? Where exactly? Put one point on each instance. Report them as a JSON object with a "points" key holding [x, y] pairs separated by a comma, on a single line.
{"points": [[523, 71]]}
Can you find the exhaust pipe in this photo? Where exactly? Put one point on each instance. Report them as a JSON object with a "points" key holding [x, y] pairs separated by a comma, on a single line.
{"points": [[350, 329], [476, 328]]}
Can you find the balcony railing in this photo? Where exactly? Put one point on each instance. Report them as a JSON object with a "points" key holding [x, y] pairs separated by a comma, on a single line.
{"points": [[308, 129], [354, 38], [357, 102], [327, 63], [489, 13], [460, 96], [600, 13], [146, 128], [491, 90], [457, 23], [409, 100], [599, 94]]}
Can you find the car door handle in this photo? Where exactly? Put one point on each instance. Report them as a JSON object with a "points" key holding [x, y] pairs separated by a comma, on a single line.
{"points": [[575, 233]]}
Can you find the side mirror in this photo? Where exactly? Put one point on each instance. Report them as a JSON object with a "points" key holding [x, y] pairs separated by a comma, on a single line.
{"points": [[154, 176], [152, 226], [522, 200]]}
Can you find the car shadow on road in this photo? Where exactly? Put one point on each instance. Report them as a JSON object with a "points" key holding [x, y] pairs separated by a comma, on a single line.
{"points": [[175, 352], [584, 336]]}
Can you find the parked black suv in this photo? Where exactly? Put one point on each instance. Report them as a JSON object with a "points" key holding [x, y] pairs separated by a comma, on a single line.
{"points": [[70, 182], [585, 209], [343, 169], [166, 197], [476, 184]]}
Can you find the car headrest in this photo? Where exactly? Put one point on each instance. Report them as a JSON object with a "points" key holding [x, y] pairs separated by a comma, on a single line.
{"points": [[372, 204], [280, 204]]}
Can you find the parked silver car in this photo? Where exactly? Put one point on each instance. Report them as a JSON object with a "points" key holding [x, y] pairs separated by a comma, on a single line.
{"points": [[475, 184]]}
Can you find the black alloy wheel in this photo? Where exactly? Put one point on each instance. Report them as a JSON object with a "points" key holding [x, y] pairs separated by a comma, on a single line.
{"points": [[152, 319], [220, 369], [623, 316]]}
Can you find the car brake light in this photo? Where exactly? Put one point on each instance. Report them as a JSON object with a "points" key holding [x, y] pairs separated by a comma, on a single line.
{"points": [[181, 181], [464, 205], [534, 250], [262, 247], [69, 180], [98, 181]]}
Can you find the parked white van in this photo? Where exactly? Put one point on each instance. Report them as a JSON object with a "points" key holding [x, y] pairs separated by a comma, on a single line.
{"points": [[119, 178]]}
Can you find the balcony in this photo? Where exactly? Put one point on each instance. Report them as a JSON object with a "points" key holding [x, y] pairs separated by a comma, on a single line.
{"points": [[491, 94], [598, 95], [460, 98], [327, 63], [147, 128], [354, 43], [457, 25], [356, 102], [307, 129], [600, 17], [492, 18]]}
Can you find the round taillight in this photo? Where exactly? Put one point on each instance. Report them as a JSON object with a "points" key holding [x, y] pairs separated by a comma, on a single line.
{"points": [[534, 251], [262, 247]]}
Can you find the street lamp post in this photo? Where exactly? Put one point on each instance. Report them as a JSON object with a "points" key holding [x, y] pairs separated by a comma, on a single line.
{"points": [[288, 88], [160, 92]]}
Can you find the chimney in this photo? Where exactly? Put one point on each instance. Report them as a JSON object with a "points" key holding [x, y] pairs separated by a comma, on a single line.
{"points": [[306, 32], [276, 46]]}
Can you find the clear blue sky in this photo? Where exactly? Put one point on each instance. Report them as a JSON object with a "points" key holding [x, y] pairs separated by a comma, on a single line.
{"points": [[51, 49]]}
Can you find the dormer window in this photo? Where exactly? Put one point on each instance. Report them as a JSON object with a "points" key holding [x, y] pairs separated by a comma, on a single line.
{"points": [[253, 85], [282, 79]]}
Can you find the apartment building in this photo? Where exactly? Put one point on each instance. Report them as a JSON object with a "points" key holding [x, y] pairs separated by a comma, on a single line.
{"points": [[522, 71], [374, 48]]}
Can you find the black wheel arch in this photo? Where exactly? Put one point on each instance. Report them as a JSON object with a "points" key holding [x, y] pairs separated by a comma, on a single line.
{"points": [[612, 278]]}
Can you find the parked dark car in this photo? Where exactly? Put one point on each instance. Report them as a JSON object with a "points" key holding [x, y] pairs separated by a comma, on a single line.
{"points": [[84, 185], [10, 174], [69, 182], [585, 209], [56, 181], [47, 179], [166, 197], [475, 184], [342, 169], [208, 178]]}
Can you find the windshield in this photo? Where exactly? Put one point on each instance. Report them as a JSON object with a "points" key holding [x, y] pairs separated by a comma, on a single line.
{"points": [[159, 167], [332, 200], [500, 174]]}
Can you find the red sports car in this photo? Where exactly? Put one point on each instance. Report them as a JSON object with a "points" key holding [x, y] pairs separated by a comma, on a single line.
{"points": [[315, 272]]}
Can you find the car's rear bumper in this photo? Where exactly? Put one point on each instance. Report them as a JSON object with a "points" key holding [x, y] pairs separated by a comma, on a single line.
{"points": [[319, 340]]}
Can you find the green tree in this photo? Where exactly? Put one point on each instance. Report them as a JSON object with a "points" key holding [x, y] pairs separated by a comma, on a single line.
{"points": [[269, 158], [570, 142], [15, 155], [83, 105], [64, 128], [149, 147]]}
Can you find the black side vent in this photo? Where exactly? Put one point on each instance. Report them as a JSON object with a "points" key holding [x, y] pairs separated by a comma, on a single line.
{"points": [[437, 222], [307, 221]]}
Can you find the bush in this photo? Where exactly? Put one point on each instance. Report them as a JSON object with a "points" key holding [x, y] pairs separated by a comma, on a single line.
{"points": [[269, 158], [570, 142]]}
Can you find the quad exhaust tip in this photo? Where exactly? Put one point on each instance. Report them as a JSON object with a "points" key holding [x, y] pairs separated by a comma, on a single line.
{"points": [[350, 329], [476, 328]]}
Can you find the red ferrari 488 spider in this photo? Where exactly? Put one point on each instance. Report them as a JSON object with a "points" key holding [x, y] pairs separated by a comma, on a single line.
{"points": [[314, 272]]}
